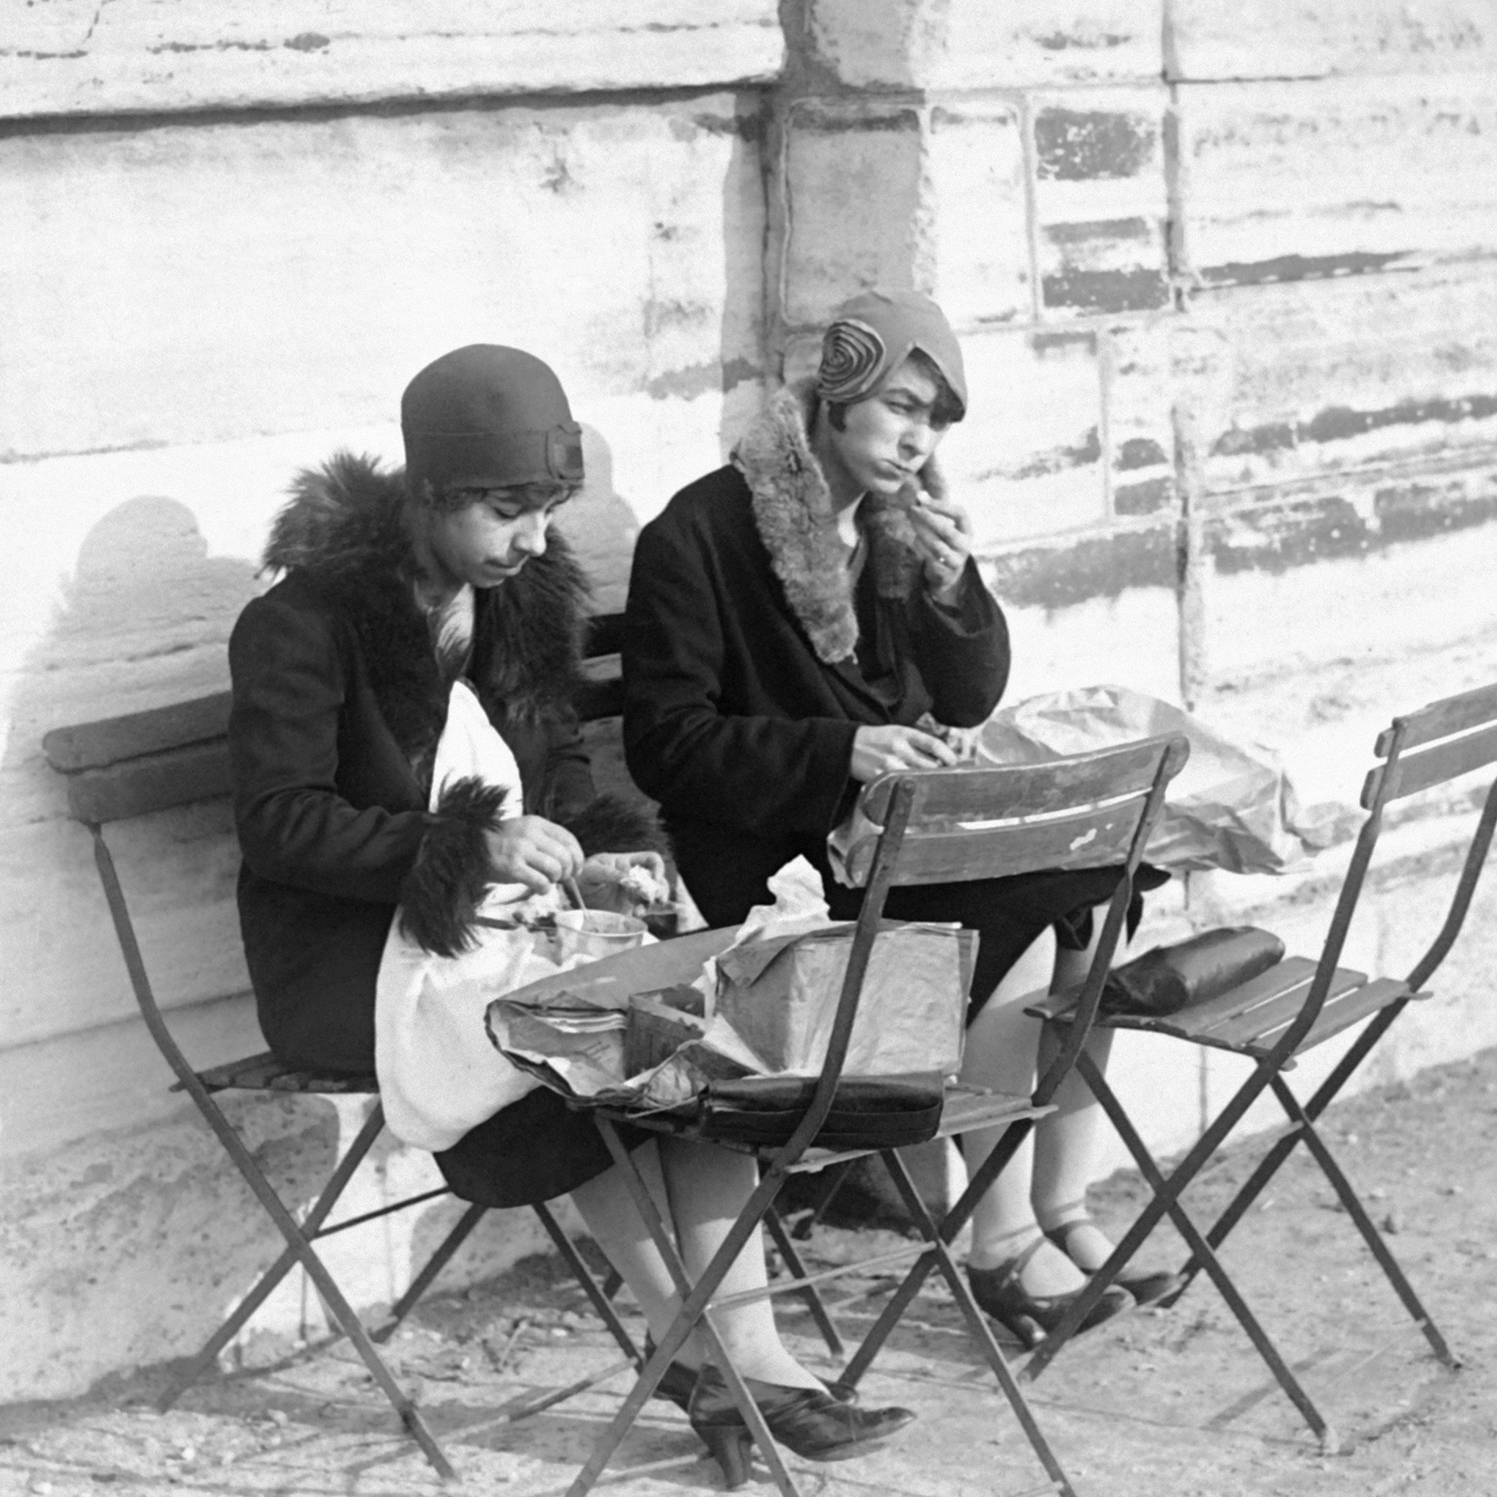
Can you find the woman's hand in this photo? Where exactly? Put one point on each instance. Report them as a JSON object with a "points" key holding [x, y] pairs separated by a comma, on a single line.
{"points": [[943, 536], [625, 882], [877, 751], [532, 851]]}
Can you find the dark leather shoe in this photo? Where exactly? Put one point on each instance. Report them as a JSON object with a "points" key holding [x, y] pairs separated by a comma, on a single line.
{"points": [[1145, 1284], [809, 1421], [679, 1381], [999, 1292]]}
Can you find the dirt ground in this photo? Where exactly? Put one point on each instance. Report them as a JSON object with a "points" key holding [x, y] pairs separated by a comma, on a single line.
{"points": [[1154, 1404]]}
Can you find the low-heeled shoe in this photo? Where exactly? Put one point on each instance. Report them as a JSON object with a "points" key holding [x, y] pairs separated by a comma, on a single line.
{"points": [[809, 1421], [999, 1292], [1146, 1285]]}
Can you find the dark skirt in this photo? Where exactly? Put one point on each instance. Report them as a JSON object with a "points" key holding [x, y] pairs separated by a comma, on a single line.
{"points": [[528, 1152]]}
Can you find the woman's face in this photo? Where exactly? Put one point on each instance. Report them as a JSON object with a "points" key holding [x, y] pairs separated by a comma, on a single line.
{"points": [[487, 541], [889, 437]]}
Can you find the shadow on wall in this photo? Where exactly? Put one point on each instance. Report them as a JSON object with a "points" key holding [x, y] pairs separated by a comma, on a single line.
{"points": [[143, 621]]}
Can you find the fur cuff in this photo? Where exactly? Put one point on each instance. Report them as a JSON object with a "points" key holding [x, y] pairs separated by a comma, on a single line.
{"points": [[442, 892], [608, 824]]}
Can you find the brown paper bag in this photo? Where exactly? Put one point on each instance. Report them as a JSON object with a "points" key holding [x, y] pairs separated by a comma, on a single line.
{"points": [[780, 995]]}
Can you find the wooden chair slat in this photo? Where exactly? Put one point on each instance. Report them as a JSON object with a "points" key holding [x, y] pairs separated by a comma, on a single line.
{"points": [[1345, 1009], [1021, 789], [1290, 976], [1095, 841], [1440, 719], [1232, 1019], [1252, 1027], [155, 782], [1432, 766], [94, 745]]}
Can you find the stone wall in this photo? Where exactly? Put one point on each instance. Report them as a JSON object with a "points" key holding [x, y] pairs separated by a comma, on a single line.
{"points": [[1224, 276]]}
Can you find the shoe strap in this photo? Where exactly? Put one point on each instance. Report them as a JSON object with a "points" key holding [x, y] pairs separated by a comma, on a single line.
{"points": [[1016, 1266]]}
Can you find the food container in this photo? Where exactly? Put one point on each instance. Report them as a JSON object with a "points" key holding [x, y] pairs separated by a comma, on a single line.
{"points": [[592, 934]]}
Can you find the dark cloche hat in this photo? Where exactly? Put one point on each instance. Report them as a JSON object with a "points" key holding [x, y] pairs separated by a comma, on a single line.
{"points": [[486, 416]]}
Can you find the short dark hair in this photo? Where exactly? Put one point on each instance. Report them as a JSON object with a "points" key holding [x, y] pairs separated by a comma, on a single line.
{"points": [[946, 410]]}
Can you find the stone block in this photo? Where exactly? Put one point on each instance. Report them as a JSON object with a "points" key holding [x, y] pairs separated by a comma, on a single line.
{"points": [[1139, 389], [979, 260], [109, 1077], [974, 44], [1351, 639], [852, 203], [1124, 630], [1289, 180], [350, 251], [1352, 374], [1317, 38], [1100, 201], [70, 57], [1028, 458]]}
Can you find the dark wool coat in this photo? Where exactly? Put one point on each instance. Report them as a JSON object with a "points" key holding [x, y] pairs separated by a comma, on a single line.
{"points": [[338, 704], [749, 664]]}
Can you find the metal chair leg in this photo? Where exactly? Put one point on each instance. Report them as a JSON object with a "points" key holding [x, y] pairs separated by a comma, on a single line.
{"points": [[1166, 1194], [693, 1315], [809, 1293], [1280, 1150], [977, 1325], [434, 1265], [1364, 1224], [352, 1158]]}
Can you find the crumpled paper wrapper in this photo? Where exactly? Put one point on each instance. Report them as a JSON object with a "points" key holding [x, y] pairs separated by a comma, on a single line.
{"points": [[770, 993], [1231, 806]]}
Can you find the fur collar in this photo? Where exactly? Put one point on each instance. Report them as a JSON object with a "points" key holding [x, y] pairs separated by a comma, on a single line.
{"points": [[793, 512], [342, 531]]}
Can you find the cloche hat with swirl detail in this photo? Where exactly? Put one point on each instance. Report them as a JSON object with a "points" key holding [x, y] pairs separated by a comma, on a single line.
{"points": [[872, 334]]}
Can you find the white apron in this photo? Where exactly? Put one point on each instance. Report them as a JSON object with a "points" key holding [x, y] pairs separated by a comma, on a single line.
{"points": [[439, 1075]]}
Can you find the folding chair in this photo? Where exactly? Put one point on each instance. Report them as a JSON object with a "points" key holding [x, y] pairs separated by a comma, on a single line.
{"points": [[1287, 1011], [938, 827], [173, 756]]}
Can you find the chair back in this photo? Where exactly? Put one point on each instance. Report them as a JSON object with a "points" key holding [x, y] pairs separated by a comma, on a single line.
{"points": [[144, 761], [1419, 751], [952, 825], [1080, 812]]}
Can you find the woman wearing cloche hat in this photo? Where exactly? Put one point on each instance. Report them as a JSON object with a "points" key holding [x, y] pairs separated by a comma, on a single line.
{"points": [[809, 617]]}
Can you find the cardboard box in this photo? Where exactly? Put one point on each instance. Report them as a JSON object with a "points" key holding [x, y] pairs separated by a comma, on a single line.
{"points": [[780, 995]]}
